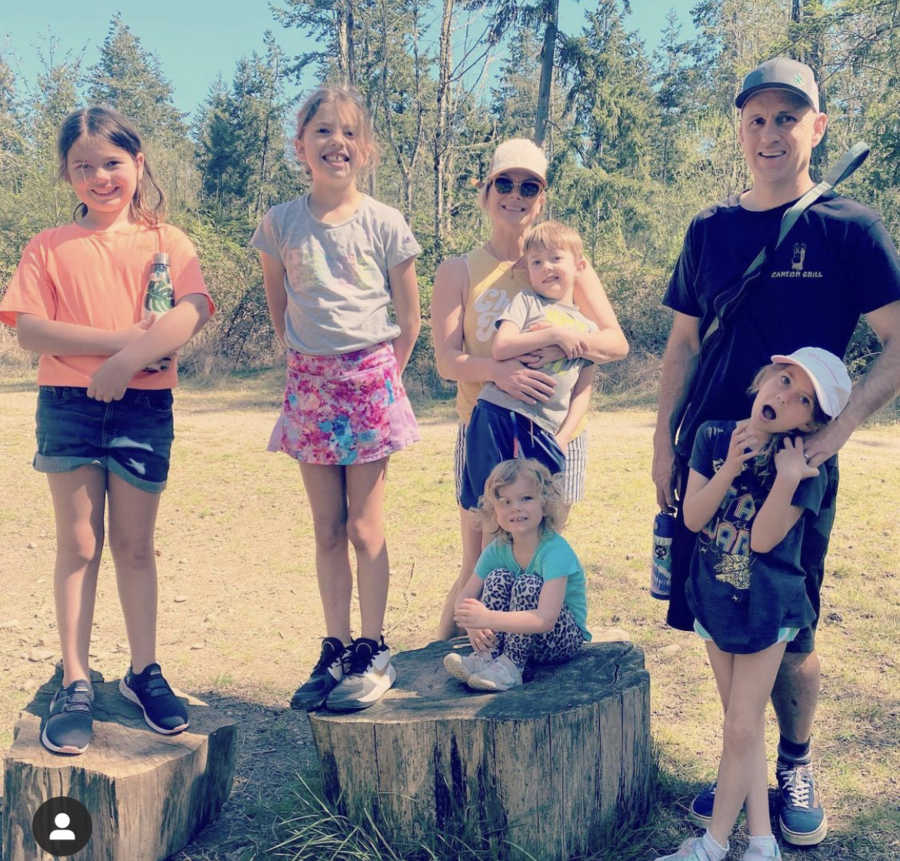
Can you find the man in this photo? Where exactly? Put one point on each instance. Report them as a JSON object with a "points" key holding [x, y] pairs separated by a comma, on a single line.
{"points": [[836, 264]]}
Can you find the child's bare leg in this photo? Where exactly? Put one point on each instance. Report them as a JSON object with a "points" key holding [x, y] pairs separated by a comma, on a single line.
{"points": [[472, 544], [747, 681], [365, 529], [132, 523], [78, 503], [326, 490]]}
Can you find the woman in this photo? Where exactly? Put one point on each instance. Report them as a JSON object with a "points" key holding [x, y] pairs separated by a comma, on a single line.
{"points": [[469, 294]]}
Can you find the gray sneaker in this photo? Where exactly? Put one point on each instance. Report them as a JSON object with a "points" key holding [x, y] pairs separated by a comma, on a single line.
{"points": [[501, 674], [462, 666], [367, 678]]}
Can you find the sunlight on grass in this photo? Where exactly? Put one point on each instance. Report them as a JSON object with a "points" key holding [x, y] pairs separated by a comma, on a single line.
{"points": [[239, 604]]}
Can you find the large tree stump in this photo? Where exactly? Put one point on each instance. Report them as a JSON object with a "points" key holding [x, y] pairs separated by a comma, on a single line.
{"points": [[546, 767], [147, 793]]}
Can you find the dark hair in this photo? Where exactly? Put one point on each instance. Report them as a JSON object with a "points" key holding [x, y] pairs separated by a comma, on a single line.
{"points": [[113, 127]]}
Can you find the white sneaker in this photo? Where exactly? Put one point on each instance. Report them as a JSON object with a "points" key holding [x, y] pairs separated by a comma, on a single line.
{"points": [[500, 674], [762, 849], [462, 666], [369, 675], [697, 849]]}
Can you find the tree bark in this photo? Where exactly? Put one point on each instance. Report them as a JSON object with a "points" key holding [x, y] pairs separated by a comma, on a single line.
{"points": [[547, 53], [544, 767], [147, 793]]}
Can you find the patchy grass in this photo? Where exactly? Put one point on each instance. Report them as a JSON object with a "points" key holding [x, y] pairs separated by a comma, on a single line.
{"points": [[239, 616]]}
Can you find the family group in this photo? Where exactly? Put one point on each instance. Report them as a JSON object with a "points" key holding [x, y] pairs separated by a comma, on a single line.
{"points": [[754, 403]]}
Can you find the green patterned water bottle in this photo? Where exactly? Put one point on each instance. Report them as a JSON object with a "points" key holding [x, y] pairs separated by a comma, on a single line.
{"points": [[159, 298]]}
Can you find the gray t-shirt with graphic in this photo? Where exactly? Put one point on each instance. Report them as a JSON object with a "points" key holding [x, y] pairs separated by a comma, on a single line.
{"points": [[526, 309], [336, 275]]}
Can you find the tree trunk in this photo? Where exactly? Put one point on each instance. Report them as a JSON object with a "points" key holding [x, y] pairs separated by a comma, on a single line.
{"points": [[544, 767], [147, 793], [547, 54], [442, 109]]}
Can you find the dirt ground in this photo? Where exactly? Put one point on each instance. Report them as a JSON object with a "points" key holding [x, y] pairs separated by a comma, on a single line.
{"points": [[240, 622]]}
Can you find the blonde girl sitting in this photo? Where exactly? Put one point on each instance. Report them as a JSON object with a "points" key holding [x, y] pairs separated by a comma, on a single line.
{"points": [[525, 603]]}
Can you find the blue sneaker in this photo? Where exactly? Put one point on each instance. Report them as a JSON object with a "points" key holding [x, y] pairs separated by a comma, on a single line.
{"points": [[702, 806], [69, 723], [802, 819]]}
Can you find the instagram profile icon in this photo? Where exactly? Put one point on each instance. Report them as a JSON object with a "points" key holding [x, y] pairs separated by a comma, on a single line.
{"points": [[61, 826]]}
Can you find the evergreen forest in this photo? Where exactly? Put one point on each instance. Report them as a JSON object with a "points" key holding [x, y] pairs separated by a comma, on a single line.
{"points": [[638, 141]]}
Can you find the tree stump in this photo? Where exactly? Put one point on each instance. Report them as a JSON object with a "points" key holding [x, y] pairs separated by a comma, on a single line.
{"points": [[546, 767], [147, 793]]}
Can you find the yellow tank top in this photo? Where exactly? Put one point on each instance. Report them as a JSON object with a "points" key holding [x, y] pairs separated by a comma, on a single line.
{"points": [[492, 285]]}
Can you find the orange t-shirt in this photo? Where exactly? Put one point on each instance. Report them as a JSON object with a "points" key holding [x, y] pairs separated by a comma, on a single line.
{"points": [[97, 278]]}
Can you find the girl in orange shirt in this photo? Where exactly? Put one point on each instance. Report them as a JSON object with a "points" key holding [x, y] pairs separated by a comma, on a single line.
{"points": [[104, 418]]}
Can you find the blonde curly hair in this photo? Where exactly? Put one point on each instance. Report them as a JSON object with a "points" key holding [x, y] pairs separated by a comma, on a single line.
{"points": [[548, 486]]}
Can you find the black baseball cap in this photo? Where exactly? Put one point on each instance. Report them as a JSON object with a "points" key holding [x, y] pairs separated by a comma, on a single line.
{"points": [[781, 73]]}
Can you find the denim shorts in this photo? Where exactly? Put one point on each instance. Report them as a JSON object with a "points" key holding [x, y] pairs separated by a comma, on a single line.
{"points": [[785, 635], [131, 437]]}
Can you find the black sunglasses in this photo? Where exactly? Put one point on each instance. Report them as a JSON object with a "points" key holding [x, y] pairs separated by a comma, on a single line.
{"points": [[527, 187]]}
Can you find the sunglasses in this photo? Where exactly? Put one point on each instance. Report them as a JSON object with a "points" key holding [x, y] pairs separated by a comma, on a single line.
{"points": [[526, 188]]}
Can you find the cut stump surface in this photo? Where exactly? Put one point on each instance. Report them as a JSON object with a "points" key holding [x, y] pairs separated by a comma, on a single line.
{"points": [[545, 767], [147, 793]]}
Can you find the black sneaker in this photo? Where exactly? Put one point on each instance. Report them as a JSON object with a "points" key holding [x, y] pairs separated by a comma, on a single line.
{"points": [[163, 711], [327, 672], [69, 724], [367, 679]]}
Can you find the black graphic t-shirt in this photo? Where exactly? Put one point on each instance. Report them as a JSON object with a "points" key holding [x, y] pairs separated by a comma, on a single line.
{"points": [[742, 598], [837, 263]]}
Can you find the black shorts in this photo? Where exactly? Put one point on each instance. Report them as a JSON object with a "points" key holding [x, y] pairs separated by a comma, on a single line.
{"points": [[496, 434]]}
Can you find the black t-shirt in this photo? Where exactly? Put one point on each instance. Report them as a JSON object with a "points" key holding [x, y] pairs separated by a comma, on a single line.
{"points": [[741, 597], [837, 263]]}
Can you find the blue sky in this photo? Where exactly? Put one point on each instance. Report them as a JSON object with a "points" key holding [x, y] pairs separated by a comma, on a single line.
{"points": [[196, 40]]}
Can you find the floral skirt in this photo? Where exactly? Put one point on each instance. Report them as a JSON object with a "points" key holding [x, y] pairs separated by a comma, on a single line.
{"points": [[344, 409]]}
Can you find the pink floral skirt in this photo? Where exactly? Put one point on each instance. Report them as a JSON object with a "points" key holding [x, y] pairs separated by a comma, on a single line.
{"points": [[344, 409]]}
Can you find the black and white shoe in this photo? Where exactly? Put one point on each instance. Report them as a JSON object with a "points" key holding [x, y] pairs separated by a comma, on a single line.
{"points": [[368, 676], [327, 672]]}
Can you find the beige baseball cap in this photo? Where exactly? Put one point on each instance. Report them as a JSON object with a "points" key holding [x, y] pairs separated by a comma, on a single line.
{"points": [[518, 154]]}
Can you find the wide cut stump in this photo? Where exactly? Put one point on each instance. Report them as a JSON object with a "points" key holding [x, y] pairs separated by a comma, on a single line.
{"points": [[545, 768], [147, 793]]}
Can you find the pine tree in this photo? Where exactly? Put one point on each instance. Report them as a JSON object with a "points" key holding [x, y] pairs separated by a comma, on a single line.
{"points": [[130, 79]]}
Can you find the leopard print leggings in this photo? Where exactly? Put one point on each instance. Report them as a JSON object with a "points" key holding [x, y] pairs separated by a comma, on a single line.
{"points": [[503, 591]]}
